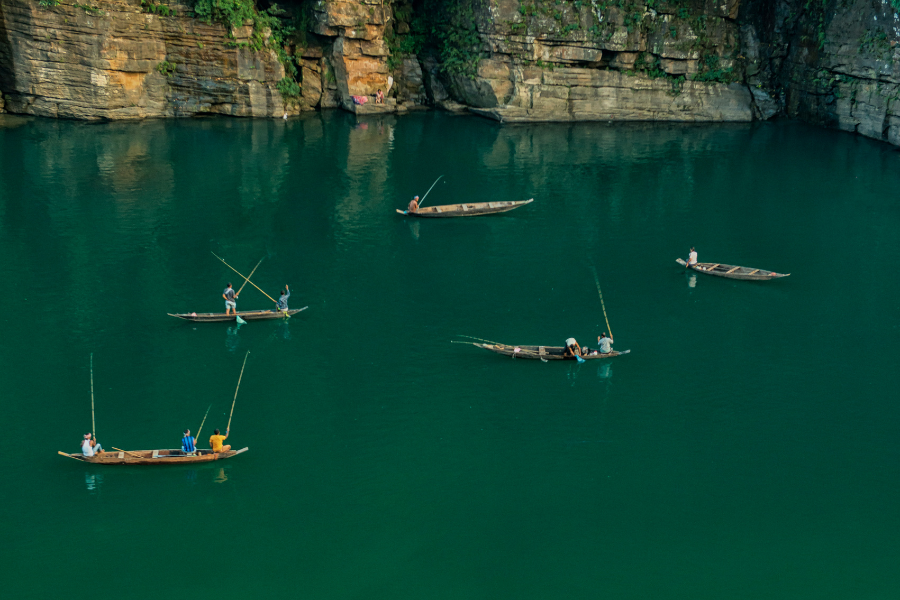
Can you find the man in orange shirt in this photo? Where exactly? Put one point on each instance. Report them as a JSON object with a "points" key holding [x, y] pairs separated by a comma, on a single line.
{"points": [[215, 441]]}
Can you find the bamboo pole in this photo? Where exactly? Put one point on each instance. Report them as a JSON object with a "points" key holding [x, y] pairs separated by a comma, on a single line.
{"points": [[197, 437], [249, 276], [479, 339], [248, 280], [429, 191], [236, 391], [127, 452], [602, 305], [93, 423]]}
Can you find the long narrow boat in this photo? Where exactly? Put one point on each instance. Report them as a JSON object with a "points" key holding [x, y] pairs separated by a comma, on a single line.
{"points": [[543, 352], [466, 210], [732, 271], [249, 315], [154, 457]]}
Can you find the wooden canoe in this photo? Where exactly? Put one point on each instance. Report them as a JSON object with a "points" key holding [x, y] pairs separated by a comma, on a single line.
{"points": [[249, 315], [154, 457], [732, 271], [466, 210], [544, 352]]}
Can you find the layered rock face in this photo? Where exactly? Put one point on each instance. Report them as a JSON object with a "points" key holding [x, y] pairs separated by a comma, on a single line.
{"points": [[834, 64], [112, 60], [572, 61], [350, 57]]}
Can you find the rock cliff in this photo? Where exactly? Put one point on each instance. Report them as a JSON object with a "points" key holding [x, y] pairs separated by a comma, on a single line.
{"points": [[114, 60], [830, 62]]}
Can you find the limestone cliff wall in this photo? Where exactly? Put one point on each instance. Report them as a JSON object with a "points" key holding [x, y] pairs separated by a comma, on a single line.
{"points": [[628, 60], [832, 62], [115, 61]]}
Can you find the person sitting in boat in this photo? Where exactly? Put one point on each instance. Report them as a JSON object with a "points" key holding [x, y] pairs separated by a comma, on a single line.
{"points": [[215, 441], [283, 300], [89, 446], [692, 258], [605, 343], [572, 348], [188, 443], [230, 298], [413, 205]]}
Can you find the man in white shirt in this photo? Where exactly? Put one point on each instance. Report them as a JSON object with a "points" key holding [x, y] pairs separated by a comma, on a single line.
{"points": [[605, 344], [572, 348], [692, 258], [89, 447]]}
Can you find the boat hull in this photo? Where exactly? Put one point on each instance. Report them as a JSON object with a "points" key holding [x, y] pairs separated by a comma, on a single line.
{"points": [[732, 271], [543, 352], [476, 209], [250, 315], [154, 457]]}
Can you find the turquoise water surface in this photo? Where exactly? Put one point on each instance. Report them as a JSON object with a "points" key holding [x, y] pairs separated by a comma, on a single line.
{"points": [[746, 448]]}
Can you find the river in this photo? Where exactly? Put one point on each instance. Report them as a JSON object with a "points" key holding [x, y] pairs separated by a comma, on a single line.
{"points": [[746, 447]]}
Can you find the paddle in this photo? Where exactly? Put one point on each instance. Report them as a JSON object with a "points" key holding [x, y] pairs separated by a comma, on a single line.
{"points": [[287, 316], [127, 452], [69, 455], [429, 191]]}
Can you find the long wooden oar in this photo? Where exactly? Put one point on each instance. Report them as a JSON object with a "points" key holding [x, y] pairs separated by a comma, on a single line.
{"points": [[429, 191], [69, 455], [239, 273], [93, 423], [250, 275], [479, 339], [197, 437], [602, 305], [236, 390], [127, 452]]}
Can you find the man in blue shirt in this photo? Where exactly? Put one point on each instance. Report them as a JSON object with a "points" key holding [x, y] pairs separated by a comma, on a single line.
{"points": [[188, 443], [283, 301]]}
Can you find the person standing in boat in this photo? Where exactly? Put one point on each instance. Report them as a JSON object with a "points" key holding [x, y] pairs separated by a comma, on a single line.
{"points": [[89, 446], [215, 441], [605, 343], [692, 258], [283, 300], [230, 298], [413, 205], [572, 348], [188, 443]]}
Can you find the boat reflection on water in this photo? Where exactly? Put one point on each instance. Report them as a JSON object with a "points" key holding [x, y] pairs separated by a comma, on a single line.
{"points": [[604, 371], [414, 229], [283, 330], [232, 337], [692, 280], [93, 482], [220, 476]]}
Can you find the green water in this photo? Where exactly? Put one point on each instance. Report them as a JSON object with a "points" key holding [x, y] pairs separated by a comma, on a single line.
{"points": [[746, 448]]}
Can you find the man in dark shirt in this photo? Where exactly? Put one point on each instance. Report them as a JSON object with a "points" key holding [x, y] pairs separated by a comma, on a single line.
{"points": [[230, 297]]}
